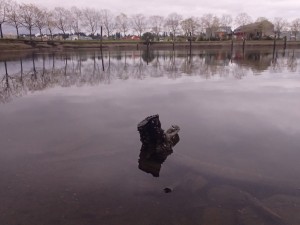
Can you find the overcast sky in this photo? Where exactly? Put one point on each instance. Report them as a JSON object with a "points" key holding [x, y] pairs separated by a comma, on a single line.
{"points": [[288, 9]]}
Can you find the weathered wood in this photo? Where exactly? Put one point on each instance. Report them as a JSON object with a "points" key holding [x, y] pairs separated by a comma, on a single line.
{"points": [[274, 43], [101, 48], [190, 43], [101, 39]]}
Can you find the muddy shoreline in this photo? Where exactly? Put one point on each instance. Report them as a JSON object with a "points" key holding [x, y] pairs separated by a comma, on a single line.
{"points": [[13, 44]]}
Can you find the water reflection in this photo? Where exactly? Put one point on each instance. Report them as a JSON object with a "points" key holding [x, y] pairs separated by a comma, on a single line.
{"points": [[156, 144], [66, 153], [34, 72]]}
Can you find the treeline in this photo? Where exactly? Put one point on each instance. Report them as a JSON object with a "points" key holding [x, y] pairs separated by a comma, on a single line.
{"points": [[88, 21]]}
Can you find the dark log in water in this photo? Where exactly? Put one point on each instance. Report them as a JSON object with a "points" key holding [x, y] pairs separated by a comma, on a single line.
{"points": [[156, 144]]}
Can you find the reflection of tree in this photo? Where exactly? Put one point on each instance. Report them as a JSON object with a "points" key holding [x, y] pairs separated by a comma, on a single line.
{"points": [[148, 56], [239, 72], [5, 90], [187, 65], [292, 62], [255, 60], [278, 63], [39, 72], [10, 86], [171, 65]]}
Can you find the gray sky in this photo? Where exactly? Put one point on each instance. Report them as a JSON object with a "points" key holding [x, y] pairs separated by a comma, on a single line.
{"points": [[288, 9]]}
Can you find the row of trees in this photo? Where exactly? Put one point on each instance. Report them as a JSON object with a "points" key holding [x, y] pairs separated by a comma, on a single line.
{"points": [[88, 20]]}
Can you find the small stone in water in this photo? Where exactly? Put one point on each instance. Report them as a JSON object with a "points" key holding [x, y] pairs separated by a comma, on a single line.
{"points": [[167, 190]]}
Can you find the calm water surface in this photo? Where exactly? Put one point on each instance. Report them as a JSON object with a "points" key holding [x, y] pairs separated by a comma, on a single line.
{"points": [[70, 146]]}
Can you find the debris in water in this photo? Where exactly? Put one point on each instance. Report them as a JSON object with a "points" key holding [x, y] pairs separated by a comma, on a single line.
{"points": [[156, 144], [167, 190]]}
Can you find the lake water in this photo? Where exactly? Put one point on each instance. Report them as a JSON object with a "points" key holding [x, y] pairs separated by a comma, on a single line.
{"points": [[70, 147]]}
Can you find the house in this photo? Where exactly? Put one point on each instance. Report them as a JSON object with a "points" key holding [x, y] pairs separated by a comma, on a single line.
{"points": [[135, 38], [223, 32], [253, 31], [132, 37], [290, 35], [220, 33], [74, 37]]}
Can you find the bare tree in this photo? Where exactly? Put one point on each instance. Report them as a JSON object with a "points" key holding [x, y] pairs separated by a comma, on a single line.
{"points": [[261, 19], [76, 18], [211, 24], [189, 25], [279, 25], [27, 15], [3, 14], [139, 23], [226, 20], [40, 20], [91, 20], [156, 23], [108, 21], [173, 22], [50, 22], [13, 16], [122, 23], [295, 27], [242, 19], [62, 19]]}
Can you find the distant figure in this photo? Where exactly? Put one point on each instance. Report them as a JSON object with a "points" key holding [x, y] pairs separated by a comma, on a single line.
{"points": [[156, 144]]}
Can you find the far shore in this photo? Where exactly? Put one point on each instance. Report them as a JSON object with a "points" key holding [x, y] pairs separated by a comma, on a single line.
{"points": [[21, 44]]}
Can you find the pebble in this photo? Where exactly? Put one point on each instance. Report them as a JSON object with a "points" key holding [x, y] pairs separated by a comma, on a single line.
{"points": [[167, 190]]}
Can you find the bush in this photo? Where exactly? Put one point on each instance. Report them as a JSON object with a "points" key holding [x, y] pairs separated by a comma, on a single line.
{"points": [[148, 37]]}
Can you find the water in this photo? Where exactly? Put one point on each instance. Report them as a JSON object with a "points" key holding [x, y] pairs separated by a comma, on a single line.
{"points": [[70, 146]]}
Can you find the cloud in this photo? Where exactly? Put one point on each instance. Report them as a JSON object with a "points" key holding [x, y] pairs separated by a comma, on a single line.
{"points": [[288, 9]]}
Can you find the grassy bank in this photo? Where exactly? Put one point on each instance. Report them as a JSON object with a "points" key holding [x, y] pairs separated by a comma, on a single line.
{"points": [[13, 44]]}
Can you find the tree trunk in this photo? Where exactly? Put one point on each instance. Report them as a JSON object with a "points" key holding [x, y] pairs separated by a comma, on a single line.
{"points": [[1, 30], [17, 32], [30, 33], [174, 35], [50, 33], [41, 34]]}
